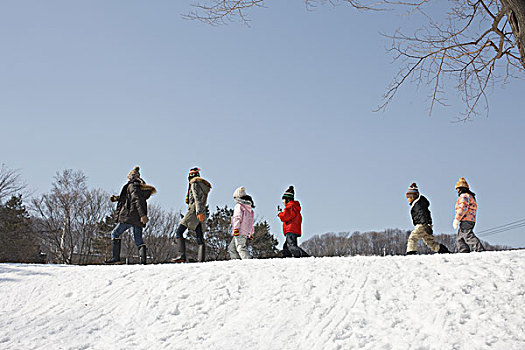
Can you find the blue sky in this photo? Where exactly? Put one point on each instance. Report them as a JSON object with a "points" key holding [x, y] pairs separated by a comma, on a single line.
{"points": [[102, 86]]}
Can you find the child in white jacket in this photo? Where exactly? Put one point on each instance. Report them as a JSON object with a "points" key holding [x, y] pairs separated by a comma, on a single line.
{"points": [[242, 224]]}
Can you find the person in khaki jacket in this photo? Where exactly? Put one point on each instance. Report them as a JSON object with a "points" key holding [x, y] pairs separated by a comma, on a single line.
{"points": [[466, 209], [195, 218], [422, 221]]}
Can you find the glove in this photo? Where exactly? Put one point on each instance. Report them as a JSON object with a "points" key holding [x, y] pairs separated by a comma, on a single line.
{"points": [[200, 217], [455, 224], [114, 198], [144, 219]]}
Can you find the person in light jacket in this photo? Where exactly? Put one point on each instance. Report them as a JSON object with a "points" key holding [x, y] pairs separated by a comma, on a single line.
{"points": [[242, 224], [466, 209], [195, 218]]}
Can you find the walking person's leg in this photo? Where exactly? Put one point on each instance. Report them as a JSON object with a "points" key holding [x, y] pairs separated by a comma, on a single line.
{"points": [[470, 238], [181, 244], [116, 242], [201, 246], [473, 242], [428, 238], [119, 230], [412, 240], [139, 242], [242, 249], [137, 235], [286, 252], [291, 242], [462, 245], [232, 249], [304, 254]]}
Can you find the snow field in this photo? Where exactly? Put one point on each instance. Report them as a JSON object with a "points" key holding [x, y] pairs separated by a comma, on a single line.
{"points": [[467, 301]]}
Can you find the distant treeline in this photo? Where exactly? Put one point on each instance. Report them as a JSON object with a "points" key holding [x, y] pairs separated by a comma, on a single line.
{"points": [[386, 242]]}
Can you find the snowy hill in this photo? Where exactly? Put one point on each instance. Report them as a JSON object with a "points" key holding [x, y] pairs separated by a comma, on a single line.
{"points": [[469, 301]]}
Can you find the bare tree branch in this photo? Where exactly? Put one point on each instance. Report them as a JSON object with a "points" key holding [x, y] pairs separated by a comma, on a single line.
{"points": [[10, 182], [457, 51], [465, 48]]}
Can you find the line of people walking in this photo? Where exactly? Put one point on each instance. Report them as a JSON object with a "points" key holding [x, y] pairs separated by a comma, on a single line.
{"points": [[132, 214]]}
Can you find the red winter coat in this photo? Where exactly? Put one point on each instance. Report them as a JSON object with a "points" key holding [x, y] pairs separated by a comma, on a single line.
{"points": [[291, 218]]}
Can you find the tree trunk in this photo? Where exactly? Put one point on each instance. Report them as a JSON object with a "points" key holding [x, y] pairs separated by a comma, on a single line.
{"points": [[515, 11]]}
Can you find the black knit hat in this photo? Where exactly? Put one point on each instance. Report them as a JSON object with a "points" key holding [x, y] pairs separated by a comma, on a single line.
{"points": [[194, 173], [289, 193]]}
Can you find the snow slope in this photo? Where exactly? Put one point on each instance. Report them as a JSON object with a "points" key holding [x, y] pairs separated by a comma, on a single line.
{"points": [[468, 301]]}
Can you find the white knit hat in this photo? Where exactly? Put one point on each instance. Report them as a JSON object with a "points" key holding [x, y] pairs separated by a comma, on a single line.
{"points": [[240, 192]]}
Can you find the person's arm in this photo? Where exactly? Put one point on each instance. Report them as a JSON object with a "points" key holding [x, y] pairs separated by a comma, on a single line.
{"points": [[288, 214], [252, 232], [236, 220], [199, 197], [462, 207]]}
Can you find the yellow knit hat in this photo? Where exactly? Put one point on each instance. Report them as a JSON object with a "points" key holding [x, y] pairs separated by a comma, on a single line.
{"points": [[461, 183]]}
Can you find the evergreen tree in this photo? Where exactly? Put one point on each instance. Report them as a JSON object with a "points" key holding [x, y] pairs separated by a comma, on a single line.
{"points": [[264, 244], [18, 238], [218, 236]]}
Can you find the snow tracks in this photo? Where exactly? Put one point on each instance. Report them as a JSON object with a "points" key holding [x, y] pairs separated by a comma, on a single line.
{"points": [[468, 301]]}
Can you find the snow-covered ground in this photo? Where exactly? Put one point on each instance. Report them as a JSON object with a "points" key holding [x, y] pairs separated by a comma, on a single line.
{"points": [[468, 301]]}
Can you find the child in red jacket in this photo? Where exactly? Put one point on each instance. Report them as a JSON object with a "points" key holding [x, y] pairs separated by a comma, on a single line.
{"points": [[292, 220]]}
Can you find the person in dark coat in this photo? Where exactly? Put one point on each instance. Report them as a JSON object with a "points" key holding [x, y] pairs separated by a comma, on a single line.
{"points": [[422, 221], [132, 212], [292, 220], [195, 218]]}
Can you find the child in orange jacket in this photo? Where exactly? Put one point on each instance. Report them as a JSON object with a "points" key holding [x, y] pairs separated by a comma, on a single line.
{"points": [[466, 209]]}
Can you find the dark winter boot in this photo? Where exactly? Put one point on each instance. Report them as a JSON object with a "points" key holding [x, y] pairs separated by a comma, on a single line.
{"points": [[115, 247], [304, 254], [201, 253], [412, 253], [142, 254], [285, 253], [443, 249], [181, 251]]}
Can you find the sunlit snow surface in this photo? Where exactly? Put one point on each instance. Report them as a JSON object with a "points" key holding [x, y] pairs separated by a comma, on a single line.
{"points": [[457, 301]]}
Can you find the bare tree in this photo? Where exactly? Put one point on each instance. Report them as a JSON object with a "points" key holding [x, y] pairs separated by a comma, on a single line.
{"points": [[474, 45], [70, 214], [217, 12], [387, 242], [159, 233], [10, 183], [94, 208]]}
